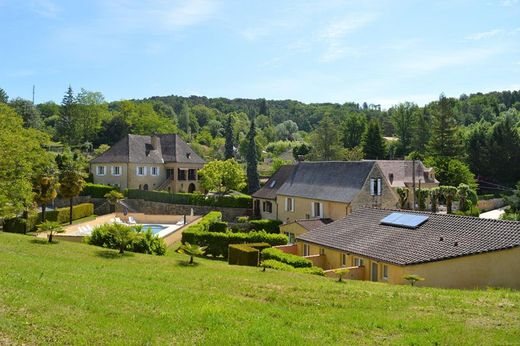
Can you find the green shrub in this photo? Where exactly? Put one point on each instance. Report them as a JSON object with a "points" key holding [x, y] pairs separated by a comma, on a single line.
{"points": [[97, 190], [312, 270], [244, 254], [274, 264], [16, 224], [487, 196], [270, 226], [242, 219], [290, 259], [232, 201], [61, 215], [140, 241], [473, 211], [218, 226]]}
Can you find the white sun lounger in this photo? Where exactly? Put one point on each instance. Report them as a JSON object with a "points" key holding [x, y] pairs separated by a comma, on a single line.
{"points": [[131, 220]]}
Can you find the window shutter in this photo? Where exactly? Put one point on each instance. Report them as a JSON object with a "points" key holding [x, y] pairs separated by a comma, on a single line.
{"points": [[379, 187], [312, 209], [372, 186], [137, 170], [321, 210]]}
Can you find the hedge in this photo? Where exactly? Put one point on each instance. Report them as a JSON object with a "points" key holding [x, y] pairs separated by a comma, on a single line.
{"points": [[218, 226], [270, 226], [246, 254], [16, 224], [292, 260], [97, 190], [206, 221], [274, 264], [233, 201]]}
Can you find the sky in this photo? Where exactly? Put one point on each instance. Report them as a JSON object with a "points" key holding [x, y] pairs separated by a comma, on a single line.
{"points": [[380, 52]]}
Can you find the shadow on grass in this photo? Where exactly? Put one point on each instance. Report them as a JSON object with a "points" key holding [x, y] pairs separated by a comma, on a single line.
{"points": [[42, 241], [182, 263], [112, 254]]}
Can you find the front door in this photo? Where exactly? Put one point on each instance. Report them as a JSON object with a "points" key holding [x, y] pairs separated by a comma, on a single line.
{"points": [[373, 272], [256, 208]]}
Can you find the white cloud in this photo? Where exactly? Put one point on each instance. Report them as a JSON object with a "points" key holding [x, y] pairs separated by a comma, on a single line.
{"points": [[485, 34]]}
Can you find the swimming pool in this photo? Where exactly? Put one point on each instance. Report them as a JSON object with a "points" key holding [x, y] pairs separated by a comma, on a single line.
{"points": [[155, 228]]}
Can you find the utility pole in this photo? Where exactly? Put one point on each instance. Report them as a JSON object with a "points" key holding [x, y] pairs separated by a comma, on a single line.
{"points": [[33, 94], [413, 183]]}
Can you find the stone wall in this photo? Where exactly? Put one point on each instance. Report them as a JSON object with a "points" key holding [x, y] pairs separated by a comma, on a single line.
{"points": [[148, 207], [490, 204]]}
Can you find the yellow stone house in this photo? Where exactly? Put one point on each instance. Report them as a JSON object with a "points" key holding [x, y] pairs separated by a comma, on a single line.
{"points": [[157, 162], [446, 250]]}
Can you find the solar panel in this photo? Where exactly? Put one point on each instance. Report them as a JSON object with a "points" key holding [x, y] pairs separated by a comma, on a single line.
{"points": [[404, 220]]}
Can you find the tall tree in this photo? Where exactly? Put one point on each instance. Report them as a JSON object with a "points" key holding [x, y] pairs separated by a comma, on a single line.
{"points": [[253, 179], [3, 96], [184, 119], [228, 148], [72, 181], [445, 140], [325, 141], [67, 124], [353, 128], [92, 110], [45, 190], [30, 114], [504, 148], [421, 135], [373, 141], [403, 119]]}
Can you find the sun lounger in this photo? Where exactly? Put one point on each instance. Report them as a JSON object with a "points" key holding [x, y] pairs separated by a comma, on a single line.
{"points": [[131, 220]]}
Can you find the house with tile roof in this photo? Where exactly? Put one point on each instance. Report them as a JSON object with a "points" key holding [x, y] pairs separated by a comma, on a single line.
{"points": [[156, 162], [265, 205], [446, 250]]}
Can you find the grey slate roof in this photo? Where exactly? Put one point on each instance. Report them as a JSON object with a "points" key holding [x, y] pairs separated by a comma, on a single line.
{"points": [[268, 191], [310, 224], [338, 181], [139, 149], [361, 233], [402, 171]]}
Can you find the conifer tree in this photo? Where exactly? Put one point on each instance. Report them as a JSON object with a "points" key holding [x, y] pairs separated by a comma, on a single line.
{"points": [[228, 148], [373, 141], [66, 124], [253, 180], [444, 141], [3, 96]]}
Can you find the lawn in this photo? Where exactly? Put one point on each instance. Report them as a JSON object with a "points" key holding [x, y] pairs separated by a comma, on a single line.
{"points": [[69, 293]]}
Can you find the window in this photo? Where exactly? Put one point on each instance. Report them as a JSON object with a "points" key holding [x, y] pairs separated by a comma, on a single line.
{"points": [[267, 207], [343, 260], [317, 209], [192, 174], [385, 272], [375, 186], [155, 171], [100, 170], [322, 251], [306, 250], [358, 262], [289, 204], [181, 174], [116, 170], [141, 170], [291, 237]]}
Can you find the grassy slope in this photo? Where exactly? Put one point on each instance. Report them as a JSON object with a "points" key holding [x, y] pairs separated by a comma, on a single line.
{"points": [[79, 294]]}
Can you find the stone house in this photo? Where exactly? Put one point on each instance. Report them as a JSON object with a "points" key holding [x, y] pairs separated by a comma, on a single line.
{"points": [[157, 162]]}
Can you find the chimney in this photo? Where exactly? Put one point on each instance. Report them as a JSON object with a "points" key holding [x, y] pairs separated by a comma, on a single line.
{"points": [[155, 141]]}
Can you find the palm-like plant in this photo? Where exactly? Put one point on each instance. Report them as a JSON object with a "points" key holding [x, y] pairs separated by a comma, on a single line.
{"points": [[449, 192], [191, 250], [463, 194], [51, 227], [45, 191], [122, 235], [113, 197], [413, 278], [422, 195], [341, 272], [72, 183], [402, 192], [435, 193]]}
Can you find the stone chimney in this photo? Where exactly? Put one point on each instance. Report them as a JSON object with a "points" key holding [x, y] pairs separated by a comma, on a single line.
{"points": [[155, 141]]}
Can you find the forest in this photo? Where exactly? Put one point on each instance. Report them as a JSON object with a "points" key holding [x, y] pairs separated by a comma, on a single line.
{"points": [[472, 139]]}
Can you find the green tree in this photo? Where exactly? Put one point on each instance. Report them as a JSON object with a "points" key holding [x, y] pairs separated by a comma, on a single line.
{"points": [[3, 96], [222, 176], [477, 149], [30, 114], [229, 150], [514, 199], [325, 141], [341, 272], [373, 141], [72, 182], [301, 150], [449, 193], [51, 228], [463, 192], [113, 197], [422, 195], [92, 109], [122, 236], [354, 127], [253, 180], [402, 192], [413, 278], [451, 171], [277, 163], [45, 190], [445, 141], [504, 148], [191, 250], [404, 121], [68, 122], [435, 193], [354, 154], [421, 135]]}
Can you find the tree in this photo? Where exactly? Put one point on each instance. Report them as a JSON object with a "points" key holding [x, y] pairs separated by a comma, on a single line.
{"points": [[413, 278], [72, 182], [301, 151], [113, 197], [286, 130], [122, 235], [325, 141], [253, 180], [341, 272], [445, 141], [222, 176], [463, 192], [422, 195], [449, 192], [421, 135], [353, 128], [3, 96], [31, 115], [504, 148], [191, 250], [67, 123], [514, 199], [45, 190], [92, 109], [451, 171], [373, 141], [477, 149], [51, 228], [185, 120], [435, 193], [354, 154], [402, 192], [403, 119], [229, 148]]}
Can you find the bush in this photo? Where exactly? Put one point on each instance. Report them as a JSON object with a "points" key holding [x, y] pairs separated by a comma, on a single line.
{"points": [[16, 224], [274, 264], [270, 226], [97, 190], [292, 260], [218, 226], [140, 241], [312, 270], [232, 201], [246, 254], [473, 211]]}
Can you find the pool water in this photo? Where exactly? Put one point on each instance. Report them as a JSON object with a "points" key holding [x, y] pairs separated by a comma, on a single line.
{"points": [[155, 228]]}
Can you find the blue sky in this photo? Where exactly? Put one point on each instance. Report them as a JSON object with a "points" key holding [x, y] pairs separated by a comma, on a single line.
{"points": [[382, 52]]}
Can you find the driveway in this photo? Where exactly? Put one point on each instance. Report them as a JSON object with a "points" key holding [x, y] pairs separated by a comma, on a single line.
{"points": [[493, 214]]}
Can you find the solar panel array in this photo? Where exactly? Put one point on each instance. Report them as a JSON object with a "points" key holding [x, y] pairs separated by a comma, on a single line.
{"points": [[404, 220]]}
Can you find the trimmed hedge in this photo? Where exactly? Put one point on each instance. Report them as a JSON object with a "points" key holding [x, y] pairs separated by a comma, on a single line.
{"points": [[218, 226], [233, 201], [16, 224], [246, 254], [97, 190], [206, 221], [274, 264], [270, 226], [292, 260]]}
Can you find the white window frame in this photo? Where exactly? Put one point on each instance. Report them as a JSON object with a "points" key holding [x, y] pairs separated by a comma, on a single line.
{"points": [[322, 251], [376, 186], [137, 171], [291, 237], [113, 169], [343, 259], [287, 199], [156, 171], [385, 272], [264, 209], [306, 250], [313, 208], [98, 171], [358, 262]]}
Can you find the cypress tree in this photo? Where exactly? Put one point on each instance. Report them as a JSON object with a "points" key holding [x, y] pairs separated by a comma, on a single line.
{"points": [[373, 141], [67, 122], [253, 180], [445, 141], [228, 148]]}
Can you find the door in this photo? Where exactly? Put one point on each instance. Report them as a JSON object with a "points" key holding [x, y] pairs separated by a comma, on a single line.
{"points": [[373, 272], [191, 188], [256, 208]]}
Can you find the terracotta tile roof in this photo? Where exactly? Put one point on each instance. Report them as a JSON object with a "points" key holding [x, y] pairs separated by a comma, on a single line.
{"points": [[440, 237], [268, 191]]}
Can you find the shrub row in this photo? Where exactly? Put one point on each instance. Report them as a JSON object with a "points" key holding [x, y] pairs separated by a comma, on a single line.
{"points": [[17, 224], [233, 201], [270, 226], [142, 241], [205, 223], [218, 226], [246, 254], [290, 259], [97, 190], [274, 264]]}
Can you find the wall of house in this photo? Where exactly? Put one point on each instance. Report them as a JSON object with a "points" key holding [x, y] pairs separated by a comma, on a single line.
{"points": [[266, 215], [108, 178], [152, 181], [303, 209], [387, 199], [183, 185]]}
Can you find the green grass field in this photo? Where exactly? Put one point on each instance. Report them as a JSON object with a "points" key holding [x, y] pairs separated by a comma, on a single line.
{"points": [[69, 293]]}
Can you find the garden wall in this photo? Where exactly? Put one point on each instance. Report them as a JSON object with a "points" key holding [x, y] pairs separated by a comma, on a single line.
{"points": [[490, 204]]}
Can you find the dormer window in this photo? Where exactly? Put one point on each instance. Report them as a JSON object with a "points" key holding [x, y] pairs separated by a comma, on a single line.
{"points": [[188, 155], [272, 184], [375, 186]]}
